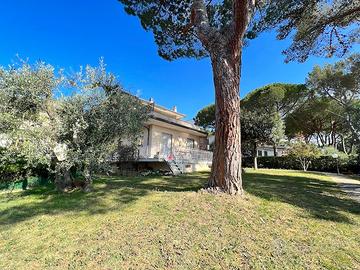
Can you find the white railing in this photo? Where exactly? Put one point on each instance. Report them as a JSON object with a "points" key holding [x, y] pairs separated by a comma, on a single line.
{"points": [[193, 155], [181, 154]]}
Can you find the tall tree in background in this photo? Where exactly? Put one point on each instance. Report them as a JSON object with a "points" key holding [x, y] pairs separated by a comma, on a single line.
{"points": [[316, 121], [205, 118], [279, 98], [341, 83], [256, 130], [193, 28], [276, 101]]}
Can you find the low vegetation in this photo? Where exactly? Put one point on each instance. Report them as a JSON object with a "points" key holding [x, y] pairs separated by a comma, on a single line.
{"points": [[288, 220]]}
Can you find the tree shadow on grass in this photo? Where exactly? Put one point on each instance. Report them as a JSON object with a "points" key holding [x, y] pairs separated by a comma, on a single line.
{"points": [[121, 191], [321, 199]]}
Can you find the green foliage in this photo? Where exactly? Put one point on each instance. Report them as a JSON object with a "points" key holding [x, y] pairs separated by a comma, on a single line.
{"points": [[276, 98], [320, 164], [26, 112], [78, 132], [341, 83], [13, 167], [205, 118], [277, 135], [255, 129], [304, 153], [316, 118], [320, 27], [323, 28]]}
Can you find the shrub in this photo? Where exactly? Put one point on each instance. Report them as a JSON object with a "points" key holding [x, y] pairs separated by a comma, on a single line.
{"points": [[323, 164]]}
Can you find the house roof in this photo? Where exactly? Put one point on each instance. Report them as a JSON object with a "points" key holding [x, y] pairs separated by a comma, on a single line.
{"points": [[163, 110], [179, 124], [172, 117]]}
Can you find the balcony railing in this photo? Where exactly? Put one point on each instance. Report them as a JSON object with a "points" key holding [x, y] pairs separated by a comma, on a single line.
{"points": [[193, 155], [182, 154], [190, 155]]}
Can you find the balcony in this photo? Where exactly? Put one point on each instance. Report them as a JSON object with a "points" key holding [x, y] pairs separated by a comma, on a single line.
{"points": [[181, 154]]}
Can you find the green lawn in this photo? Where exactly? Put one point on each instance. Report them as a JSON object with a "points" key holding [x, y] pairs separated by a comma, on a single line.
{"points": [[288, 220]]}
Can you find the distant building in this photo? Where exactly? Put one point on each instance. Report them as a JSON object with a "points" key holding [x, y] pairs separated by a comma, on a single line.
{"points": [[268, 151]]}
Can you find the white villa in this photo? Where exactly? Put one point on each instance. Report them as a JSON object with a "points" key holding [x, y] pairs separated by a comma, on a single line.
{"points": [[169, 142]]}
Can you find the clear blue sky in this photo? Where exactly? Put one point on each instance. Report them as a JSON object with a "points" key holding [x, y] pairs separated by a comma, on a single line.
{"points": [[70, 33]]}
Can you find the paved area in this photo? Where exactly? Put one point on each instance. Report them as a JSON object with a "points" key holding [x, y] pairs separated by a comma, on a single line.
{"points": [[348, 185]]}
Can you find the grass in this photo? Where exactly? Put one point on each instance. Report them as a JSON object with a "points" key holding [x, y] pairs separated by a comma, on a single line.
{"points": [[287, 220]]}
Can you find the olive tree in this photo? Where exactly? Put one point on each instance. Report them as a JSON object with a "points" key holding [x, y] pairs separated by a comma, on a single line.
{"points": [[27, 114], [73, 133], [93, 122]]}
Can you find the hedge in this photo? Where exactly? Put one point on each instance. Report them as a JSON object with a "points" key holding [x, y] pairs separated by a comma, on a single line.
{"points": [[322, 164]]}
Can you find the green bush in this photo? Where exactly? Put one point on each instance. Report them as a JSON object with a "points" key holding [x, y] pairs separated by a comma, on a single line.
{"points": [[14, 171], [323, 164]]}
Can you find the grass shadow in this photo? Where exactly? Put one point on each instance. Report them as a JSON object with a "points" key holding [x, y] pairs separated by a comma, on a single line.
{"points": [[120, 190], [320, 198]]}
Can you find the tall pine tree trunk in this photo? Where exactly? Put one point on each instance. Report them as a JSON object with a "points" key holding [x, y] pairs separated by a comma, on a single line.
{"points": [[226, 168], [224, 48]]}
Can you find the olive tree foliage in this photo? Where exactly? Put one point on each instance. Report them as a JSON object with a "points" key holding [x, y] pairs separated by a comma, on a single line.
{"points": [[76, 133], [341, 83], [218, 29], [27, 116], [94, 121]]}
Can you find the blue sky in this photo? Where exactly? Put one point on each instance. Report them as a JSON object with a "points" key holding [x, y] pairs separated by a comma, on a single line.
{"points": [[70, 33]]}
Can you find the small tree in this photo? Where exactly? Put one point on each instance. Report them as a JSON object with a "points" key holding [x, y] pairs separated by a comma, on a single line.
{"points": [[256, 129], [304, 153]]}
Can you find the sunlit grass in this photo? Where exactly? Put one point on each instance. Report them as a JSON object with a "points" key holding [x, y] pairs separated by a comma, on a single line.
{"points": [[287, 220]]}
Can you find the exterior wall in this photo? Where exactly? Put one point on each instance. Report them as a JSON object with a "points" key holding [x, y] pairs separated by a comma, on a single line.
{"points": [[197, 167], [178, 139]]}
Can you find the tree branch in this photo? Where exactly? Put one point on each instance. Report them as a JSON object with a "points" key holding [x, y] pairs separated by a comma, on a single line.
{"points": [[242, 12], [199, 18]]}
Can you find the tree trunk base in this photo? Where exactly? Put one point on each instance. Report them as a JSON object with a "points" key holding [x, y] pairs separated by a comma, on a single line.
{"points": [[219, 191]]}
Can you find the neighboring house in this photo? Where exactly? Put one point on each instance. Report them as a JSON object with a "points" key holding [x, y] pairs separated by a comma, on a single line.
{"points": [[268, 151], [262, 150], [170, 142]]}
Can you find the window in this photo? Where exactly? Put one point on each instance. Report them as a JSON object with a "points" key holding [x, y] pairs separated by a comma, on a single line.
{"points": [[190, 143], [265, 153], [259, 153]]}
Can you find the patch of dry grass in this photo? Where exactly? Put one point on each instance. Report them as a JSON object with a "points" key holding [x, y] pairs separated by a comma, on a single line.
{"points": [[287, 220]]}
